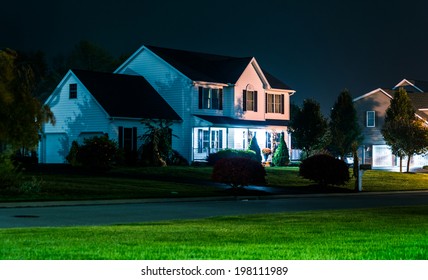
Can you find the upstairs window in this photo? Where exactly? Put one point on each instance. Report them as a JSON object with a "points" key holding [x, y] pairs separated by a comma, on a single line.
{"points": [[370, 119], [211, 98], [249, 100], [275, 103], [73, 91]]}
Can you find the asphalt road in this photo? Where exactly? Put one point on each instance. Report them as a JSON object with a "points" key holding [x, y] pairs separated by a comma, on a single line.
{"points": [[135, 211]]}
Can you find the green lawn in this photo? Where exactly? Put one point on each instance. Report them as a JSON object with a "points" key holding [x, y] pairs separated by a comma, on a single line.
{"points": [[365, 234], [151, 182]]}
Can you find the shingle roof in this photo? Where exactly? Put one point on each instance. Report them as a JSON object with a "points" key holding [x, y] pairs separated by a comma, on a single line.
{"points": [[210, 67], [419, 100], [126, 96]]}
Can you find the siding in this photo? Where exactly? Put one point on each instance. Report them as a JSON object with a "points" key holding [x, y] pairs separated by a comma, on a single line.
{"points": [[175, 88], [377, 102]]}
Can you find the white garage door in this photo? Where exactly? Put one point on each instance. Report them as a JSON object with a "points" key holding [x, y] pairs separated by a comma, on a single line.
{"points": [[382, 156], [56, 148]]}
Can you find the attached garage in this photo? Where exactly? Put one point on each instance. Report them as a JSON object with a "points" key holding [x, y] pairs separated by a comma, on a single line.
{"points": [[58, 148]]}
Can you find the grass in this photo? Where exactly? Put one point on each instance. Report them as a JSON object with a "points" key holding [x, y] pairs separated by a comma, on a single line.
{"points": [[155, 182], [364, 234]]}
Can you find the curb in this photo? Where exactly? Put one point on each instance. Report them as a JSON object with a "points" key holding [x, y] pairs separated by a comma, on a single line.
{"points": [[29, 204]]}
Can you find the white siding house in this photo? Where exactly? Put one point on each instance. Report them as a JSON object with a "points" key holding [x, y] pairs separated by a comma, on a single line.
{"points": [[223, 101], [216, 102], [87, 104]]}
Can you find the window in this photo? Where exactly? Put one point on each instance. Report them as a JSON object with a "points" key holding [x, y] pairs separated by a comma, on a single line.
{"points": [[370, 119], [211, 98], [275, 103], [250, 100], [127, 138], [73, 91]]}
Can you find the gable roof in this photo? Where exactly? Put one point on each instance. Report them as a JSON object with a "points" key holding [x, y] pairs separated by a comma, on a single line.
{"points": [[387, 92], [214, 68], [126, 96], [419, 85]]}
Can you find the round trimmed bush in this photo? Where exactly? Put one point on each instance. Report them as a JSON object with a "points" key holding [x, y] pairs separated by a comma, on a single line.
{"points": [[231, 153], [239, 172], [325, 170]]}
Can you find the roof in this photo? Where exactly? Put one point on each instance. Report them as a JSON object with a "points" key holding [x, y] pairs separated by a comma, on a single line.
{"points": [[230, 122], [421, 86], [213, 68], [419, 100], [126, 96]]}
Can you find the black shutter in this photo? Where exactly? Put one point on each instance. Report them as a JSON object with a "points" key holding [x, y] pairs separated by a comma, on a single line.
{"points": [[244, 100], [255, 101], [120, 137], [282, 103], [220, 99], [134, 139], [266, 102], [200, 98]]}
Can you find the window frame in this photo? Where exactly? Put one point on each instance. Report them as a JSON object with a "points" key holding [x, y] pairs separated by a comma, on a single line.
{"points": [[275, 103], [373, 117], [210, 98], [249, 100], [72, 91]]}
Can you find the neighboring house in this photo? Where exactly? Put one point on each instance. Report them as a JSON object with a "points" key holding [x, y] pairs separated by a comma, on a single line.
{"points": [[371, 109], [88, 104], [217, 102]]}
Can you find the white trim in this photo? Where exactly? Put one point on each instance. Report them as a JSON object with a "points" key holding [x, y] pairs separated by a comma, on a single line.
{"points": [[367, 119], [372, 92], [202, 83], [404, 81]]}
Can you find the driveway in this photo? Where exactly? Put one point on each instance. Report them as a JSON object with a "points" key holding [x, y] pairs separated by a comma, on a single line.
{"points": [[123, 212]]}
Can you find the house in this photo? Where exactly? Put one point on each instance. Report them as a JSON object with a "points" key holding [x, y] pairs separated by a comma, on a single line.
{"points": [[371, 109], [216, 102], [88, 104]]}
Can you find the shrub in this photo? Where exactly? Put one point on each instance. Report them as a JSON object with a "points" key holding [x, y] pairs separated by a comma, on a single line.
{"points": [[230, 153], [10, 176], [239, 172], [325, 170], [254, 146], [98, 153], [281, 156]]}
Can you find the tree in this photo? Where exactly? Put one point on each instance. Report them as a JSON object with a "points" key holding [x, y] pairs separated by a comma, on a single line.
{"points": [[254, 146], [309, 127], [344, 128], [281, 156], [157, 141], [403, 130], [21, 114]]}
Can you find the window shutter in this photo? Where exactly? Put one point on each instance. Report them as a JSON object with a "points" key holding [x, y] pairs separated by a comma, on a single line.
{"points": [[220, 97], [200, 98], [120, 136], [266, 102], [282, 103], [244, 100], [255, 101], [134, 139]]}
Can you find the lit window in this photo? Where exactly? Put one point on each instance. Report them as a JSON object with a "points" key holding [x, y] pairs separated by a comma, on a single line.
{"points": [[250, 100], [73, 91], [275, 103], [370, 118]]}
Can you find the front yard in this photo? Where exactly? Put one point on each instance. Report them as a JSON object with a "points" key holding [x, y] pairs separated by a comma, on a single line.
{"points": [[155, 182]]}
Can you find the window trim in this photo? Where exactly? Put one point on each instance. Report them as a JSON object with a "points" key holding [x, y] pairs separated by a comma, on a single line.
{"points": [[373, 113], [208, 102], [72, 91], [245, 97], [280, 103]]}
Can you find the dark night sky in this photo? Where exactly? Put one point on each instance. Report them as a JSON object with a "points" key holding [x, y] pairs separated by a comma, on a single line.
{"points": [[317, 47]]}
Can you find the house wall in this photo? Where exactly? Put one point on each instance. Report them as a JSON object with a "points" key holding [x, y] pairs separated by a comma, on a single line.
{"points": [[377, 102], [77, 119], [174, 87], [73, 117]]}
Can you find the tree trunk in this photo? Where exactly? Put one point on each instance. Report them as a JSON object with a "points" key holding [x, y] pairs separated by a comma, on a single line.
{"points": [[401, 163], [409, 157]]}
